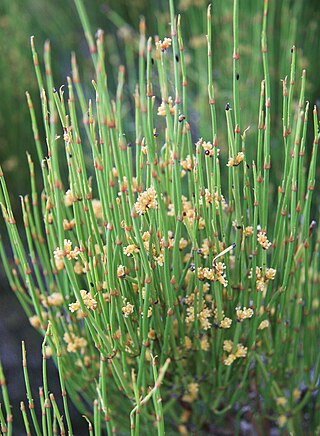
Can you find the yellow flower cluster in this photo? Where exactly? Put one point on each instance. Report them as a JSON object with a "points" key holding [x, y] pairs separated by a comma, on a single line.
{"points": [[48, 351], [74, 343], [203, 316], [270, 273], [207, 147], [55, 299], [67, 251], [262, 282], [281, 401], [227, 346], [68, 198], [134, 184], [187, 343], [296, 394], [187, 163], [160, 259], [263, 240], [146, 240], [225, 322], [35, 320], [240, 352], [88, 300], [207, 245], [130, 249], [127, 309], [162, 108], [67, 136], [68, 225], [183, 243], [78, 268], [205, 248], [204, 343], [188, 212], [282, 420], [146, 200], [208, 197], [170, 241], [215, 274], [235, 162], [97, 208], [193, 390], [121, 271], [264, 324], [213, 199], [158, 256], [163, 45], [248, 231], [229, 360], [243, 314]]}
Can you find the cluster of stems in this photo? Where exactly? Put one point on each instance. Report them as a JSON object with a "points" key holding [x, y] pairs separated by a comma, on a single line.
{"points": [[147, 266]]}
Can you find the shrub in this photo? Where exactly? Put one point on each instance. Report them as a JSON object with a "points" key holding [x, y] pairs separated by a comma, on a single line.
{"points": [[173, 287]]}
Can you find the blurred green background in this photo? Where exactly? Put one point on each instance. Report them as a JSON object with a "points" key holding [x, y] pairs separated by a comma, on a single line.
{"points": [[290, 22]]}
